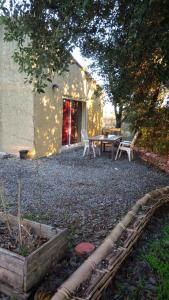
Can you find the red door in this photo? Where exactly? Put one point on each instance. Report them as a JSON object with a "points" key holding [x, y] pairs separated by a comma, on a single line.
{"points": [[66, 121], [72, 112]]}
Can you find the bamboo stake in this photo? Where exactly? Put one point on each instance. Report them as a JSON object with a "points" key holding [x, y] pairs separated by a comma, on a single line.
{"points": [[19, 212], [28, 233]]}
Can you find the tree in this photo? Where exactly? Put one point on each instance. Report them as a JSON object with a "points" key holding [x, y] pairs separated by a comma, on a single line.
{"points": [[44, 31], [133, 55], [129, 41]]}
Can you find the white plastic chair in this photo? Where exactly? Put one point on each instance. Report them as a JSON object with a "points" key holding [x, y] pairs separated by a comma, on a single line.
{"points": [[127, 146], [87, 145]]}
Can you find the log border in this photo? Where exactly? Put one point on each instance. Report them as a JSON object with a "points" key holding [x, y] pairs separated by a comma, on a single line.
{"points": [[132, 226]]}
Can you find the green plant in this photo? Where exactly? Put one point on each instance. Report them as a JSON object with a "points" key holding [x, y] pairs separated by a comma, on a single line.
{"points": [[72, 229], [120, 288], [23, 251], [29, 216], [158, 258]]}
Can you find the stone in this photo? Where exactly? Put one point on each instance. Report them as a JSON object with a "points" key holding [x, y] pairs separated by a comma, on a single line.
{"points": [[84, 248]]}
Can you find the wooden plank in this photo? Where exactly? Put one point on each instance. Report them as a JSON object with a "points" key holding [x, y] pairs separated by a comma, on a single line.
{"points": [[53, 254], [39, 262], [45, 249], [40, 229], [42, 266], [13, 279], [43, 230], [12, 254], [13, 293], [35, 276], [12, 262]]}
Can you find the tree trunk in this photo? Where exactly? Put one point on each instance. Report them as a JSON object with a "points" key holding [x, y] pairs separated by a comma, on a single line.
{"points": [[118, 121], [118, 114]]}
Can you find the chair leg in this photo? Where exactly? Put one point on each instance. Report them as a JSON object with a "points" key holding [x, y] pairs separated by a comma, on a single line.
{"points": [[117, 154], [120, 153], [129, 154], [84, 150], [94, 153], [99, 151], [87, 149], [132, 155]]}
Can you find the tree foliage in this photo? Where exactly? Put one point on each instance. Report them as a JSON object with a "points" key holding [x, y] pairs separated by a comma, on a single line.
{"points": [[128, 41], [44, 32], [133, 55]]}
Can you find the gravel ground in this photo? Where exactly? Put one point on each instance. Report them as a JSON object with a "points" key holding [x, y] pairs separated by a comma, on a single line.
{"points": [[91, 195]]}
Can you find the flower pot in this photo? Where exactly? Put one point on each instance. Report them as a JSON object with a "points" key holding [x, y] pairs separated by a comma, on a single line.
{"points": [[23, 154]]}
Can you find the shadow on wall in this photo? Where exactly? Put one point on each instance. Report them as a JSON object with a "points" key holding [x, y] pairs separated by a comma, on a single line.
{"points": [[48, 110], [47, 119]]}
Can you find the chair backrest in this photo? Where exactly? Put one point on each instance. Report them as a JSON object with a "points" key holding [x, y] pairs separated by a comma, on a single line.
{"points": [[134, 138], [84, 135]]}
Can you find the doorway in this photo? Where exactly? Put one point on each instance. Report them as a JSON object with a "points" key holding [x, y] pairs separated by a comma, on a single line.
{"points": [[72, 122]]}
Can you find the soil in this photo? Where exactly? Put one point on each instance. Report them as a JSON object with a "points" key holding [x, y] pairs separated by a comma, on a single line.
{"points": [[10, 241], [87, 287]]}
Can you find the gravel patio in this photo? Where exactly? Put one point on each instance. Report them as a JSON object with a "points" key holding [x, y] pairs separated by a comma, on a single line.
{"points": [[87, 195]]}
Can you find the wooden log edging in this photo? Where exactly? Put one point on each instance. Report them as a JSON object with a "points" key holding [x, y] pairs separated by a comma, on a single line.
{"points": [[99, 269], [153, 158]]}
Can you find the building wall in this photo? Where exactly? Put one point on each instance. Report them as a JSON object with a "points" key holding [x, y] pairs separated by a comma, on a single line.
{"points": [[48, 109], [34, 121], [16, 104]]}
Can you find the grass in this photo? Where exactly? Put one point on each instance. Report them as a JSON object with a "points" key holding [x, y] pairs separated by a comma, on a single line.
{"points": [[135, 294], [23, 251], [30, 217], [158, 258]]}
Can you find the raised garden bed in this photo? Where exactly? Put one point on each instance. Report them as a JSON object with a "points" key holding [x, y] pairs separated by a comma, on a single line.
{"points": [[18, 274]]}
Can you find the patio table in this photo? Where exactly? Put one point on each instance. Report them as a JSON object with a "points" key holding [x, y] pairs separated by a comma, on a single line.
{"points": [[111, 140]]}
